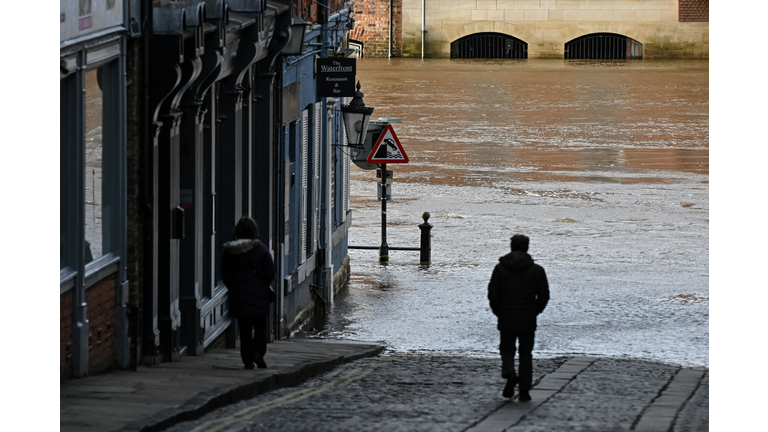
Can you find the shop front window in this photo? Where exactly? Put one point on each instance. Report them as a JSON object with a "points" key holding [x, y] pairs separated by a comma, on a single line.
{"points": [[93, 167], [99, 134]]}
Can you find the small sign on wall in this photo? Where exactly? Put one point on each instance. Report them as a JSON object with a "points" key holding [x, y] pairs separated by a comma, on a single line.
{"points": [[81, 17], [291, 110], [335, 77]]}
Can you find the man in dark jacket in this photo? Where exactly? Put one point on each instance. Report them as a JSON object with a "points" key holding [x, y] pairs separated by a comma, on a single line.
{"points": [[518, 292]]}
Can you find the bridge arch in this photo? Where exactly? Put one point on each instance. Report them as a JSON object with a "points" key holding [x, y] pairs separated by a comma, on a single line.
{"points": [[550, 44], [603, 45], [489, 45], [453, 34], [357, 46]]}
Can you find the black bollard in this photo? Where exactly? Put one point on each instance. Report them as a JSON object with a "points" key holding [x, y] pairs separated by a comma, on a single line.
{"points": [[426, 240]]}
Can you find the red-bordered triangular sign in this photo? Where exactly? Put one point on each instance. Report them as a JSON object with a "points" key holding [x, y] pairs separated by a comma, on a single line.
{"points": [[388, 148]]}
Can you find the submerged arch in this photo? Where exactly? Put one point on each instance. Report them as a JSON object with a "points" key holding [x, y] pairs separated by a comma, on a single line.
{"points": [[603, 46], [357, 46], [489, 45]]}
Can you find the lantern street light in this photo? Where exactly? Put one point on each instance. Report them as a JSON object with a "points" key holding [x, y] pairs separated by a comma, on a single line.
{"points": [[356, 116], [295, 45]]}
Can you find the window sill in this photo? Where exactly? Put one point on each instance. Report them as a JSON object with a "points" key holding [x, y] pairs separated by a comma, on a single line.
{"points": [[67, 280], [101, 268]]}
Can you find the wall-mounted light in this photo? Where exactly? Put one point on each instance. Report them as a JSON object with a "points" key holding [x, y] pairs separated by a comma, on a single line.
{"points": [[295, 44], [356, 116]]}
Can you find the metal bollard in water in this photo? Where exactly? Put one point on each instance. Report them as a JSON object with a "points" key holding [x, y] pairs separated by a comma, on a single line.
{"points": [[426, 240]]}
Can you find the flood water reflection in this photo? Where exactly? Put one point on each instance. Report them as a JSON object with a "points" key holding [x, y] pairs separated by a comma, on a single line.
{"points": [[605, 165]]}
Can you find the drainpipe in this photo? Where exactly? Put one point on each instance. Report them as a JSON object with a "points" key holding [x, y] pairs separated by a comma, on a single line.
{"points": [[328, 219], [280, 200], [147, 305], [389, 45], [324, 15], [324, 269], [423, 25]]}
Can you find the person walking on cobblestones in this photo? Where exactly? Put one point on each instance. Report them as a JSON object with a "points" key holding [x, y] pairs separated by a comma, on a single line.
{"points": [[518, 292], [248, 270]]}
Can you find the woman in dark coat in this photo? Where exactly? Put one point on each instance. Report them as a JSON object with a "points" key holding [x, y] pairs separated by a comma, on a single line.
{"points": [[248, 270]]}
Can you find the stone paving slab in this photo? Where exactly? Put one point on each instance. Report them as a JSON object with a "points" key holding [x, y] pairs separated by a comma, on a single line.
{"points": [[155, 397], [662, 411], [552, 384], [607, 395], [691, 418], [511, 413]]}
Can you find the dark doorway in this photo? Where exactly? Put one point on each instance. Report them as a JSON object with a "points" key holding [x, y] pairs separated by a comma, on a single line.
{"points": [[489, 45], [603, 46]]}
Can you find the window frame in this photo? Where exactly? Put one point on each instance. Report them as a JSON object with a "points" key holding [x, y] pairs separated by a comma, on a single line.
{"points": [[105, 53], [72, 127]]}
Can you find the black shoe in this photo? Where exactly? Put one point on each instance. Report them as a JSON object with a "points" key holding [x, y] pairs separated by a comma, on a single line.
{"points": [[249, 365], [509, 389], [524, 396], [260, 362]]}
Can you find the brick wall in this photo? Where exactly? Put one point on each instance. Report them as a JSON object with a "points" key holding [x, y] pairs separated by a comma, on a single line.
{"points": [[65, 316], [372, 27], [101, 299], [693, 11]]}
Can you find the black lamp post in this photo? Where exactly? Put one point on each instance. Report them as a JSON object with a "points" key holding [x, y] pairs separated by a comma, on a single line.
{"points": [[356, 117]]}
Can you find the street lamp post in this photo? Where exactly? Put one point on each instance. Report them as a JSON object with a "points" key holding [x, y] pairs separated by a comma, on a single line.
{"points": [[356, 117]]}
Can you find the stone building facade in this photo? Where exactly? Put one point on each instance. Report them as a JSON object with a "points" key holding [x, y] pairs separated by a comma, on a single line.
{"points": [[667, 29]]}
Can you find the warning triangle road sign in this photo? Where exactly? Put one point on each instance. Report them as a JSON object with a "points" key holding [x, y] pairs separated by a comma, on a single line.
{"points": [[387, 149]]}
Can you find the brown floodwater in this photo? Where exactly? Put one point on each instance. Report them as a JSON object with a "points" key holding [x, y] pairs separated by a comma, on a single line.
{"points": [[482, 120], [603, 164]]}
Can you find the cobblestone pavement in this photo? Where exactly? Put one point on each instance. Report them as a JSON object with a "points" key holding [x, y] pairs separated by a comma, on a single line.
{"points": [[456, 393]]}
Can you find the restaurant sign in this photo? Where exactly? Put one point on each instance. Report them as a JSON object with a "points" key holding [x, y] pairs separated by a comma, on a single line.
{"points": [[336, 77]]}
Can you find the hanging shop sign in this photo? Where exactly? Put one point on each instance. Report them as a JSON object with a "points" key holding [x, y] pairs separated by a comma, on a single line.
{"points": [[336, 77]]}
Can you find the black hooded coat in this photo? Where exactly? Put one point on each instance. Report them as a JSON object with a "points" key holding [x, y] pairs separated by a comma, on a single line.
{"points": [[247, 270], [518, 292]]}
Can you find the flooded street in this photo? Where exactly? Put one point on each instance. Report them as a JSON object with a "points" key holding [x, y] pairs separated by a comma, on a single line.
{"points": [[604, 165]]}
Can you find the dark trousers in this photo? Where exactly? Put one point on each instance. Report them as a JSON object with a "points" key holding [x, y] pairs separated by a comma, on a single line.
{"points": [[524, 377], [253, 338]]}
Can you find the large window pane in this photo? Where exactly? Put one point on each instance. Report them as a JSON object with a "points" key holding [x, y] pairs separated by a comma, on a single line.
{"points": [[93, 167], [101, 139], [67, 125]]}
